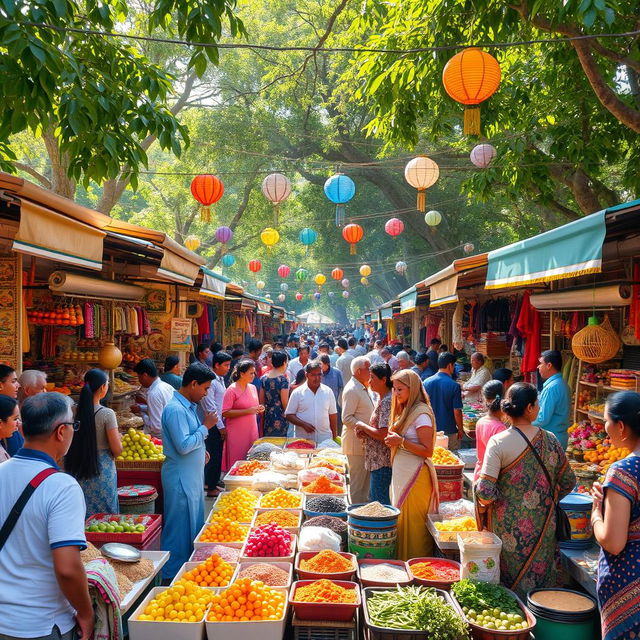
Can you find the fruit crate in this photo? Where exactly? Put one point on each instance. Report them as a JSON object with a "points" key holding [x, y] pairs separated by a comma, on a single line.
{"points": [[187, 566], [152, 522], [324, 630]]}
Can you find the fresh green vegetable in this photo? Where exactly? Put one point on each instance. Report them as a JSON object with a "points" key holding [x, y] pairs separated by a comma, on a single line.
{"points": [[416, 608], [489, 605]]}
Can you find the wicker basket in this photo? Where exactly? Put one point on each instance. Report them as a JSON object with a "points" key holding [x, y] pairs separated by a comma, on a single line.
{"points": [[596, 342], [139, 465]]}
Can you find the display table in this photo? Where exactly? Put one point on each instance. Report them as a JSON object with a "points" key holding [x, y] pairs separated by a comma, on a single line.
{"points": [[581, 565]]}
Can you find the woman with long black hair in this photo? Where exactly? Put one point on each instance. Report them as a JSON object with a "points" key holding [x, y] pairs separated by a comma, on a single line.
{"points": [[90, 459]]}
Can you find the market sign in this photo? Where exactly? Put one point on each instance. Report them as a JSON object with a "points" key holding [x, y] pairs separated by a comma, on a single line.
{"points": [[181, 334], [575, 249], [408, 300]]}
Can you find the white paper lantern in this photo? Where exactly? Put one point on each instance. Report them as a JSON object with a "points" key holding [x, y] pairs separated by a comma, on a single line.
{"points": [[282, 297], [482, 155], [433, 218], [260, 284], [421, 173], [468, 248], [345, 294], [345, 283], [284, 287], [401, 267], [276, 189]]}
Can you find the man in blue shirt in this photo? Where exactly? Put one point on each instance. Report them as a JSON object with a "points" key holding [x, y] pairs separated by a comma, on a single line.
{"points": [[555, 397], [422, 366], [332, 378], [446, 400], [183, 439]]}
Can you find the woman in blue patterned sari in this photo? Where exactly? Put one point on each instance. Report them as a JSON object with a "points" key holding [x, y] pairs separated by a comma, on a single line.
{"points": [[616, 522]]}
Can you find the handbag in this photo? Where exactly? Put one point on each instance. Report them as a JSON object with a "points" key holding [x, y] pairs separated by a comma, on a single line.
{"points": [[563, 527]]}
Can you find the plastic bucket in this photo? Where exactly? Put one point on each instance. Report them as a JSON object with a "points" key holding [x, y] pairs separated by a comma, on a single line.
{"points": [[578, 508], [386, 551], [553, 623]]}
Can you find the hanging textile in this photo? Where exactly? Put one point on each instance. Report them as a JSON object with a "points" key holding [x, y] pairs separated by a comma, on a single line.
{"points": [[456, 326], [203, 324], [392, 331], [88, 321], [529, 325]]}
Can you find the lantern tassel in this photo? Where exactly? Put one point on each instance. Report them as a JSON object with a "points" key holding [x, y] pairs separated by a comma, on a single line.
{"points": [[352, 249], [205, 214], [422, 200], [276, 211], [472, 121], [339, 215]]}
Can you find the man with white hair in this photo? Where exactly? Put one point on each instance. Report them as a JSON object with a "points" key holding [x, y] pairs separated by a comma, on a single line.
{"points": [[357, 407], [32, 382], [390, 359], [404, 360], [374, 355]]}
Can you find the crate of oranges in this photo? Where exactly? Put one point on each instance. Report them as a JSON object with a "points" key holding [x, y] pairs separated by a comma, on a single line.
{"points": [[213, 573], [174, 613], [248, 610], [229, 532]]}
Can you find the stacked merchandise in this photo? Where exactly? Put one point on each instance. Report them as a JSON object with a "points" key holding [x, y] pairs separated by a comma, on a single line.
{"points": [[624, 379]]}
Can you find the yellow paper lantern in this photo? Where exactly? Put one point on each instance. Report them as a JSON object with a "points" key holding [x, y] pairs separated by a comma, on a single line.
{"points": [[364, 281], [365, 270], [260, 284], [421, 173], [269, 237], [320, 279], [192, 243]]}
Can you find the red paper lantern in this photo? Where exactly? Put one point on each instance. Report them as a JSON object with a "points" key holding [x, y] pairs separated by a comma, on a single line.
{"points": [[352, 233], [284, 271], [299, 297], [207, 190], [255, 266], [394, 227], [337, 274]]}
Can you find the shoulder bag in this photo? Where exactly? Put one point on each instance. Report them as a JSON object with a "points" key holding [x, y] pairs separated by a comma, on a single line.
{"points": [[21, 503], [563, 527]]}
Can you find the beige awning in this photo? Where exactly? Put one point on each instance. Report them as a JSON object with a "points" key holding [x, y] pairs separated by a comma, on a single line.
{"points": [[47, 234], [212, 286], [264, 309], [445, 291]]}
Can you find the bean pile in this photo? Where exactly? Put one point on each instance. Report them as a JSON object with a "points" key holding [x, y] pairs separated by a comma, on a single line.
{"points": [[267, 573], [326, 504]]}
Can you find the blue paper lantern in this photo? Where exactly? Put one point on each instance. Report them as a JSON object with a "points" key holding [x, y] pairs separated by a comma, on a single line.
{"points": [[228, 260], [308, 237], [316, 295], [339, 189]]}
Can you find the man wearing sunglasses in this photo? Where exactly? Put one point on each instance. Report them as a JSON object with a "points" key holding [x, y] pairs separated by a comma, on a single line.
{"points": [[43, 585]]}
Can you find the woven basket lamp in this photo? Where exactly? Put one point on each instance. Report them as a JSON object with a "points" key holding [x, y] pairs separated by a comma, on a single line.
{"points": [[596, 342]]}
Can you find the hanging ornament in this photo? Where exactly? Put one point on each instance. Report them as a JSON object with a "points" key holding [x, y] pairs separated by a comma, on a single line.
{"points": [[316, 296], [276, 189], [284, 271], [365, 270], [269, 238], [433, 219], [302, 275], [207, 190], [345, 294], [320, 279], [268, 296], [339, 189], [223, 236], [337, 274], [260, 284], [471, 77], [364, 281], [482, 155], [352, 233], [401, 267], [421, 173], [345, 283], [394, 227], [192, 243], [282, 297], [255, 266], [468, 248], [299, 297], [308, 237], [331, 294], [228, 260], [284, 287]]}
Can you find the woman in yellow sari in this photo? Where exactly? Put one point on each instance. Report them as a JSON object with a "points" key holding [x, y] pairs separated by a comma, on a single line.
{"points": [[414, 486]]}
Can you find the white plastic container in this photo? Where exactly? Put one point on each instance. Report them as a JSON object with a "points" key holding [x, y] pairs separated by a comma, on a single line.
{"points": [[151, 630], [480, 555], [285, 566], [442, 440], [253, 630], [187, 566], [288, 558]]}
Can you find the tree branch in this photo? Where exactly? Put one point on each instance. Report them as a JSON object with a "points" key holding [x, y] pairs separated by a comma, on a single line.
{"points": [[43, 180]]}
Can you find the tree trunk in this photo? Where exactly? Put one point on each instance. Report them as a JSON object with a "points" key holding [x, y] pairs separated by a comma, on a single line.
{"points": [[340, 313], [60, 181]]}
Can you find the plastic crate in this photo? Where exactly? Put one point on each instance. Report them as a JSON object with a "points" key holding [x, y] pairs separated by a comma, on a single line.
{"points": [[340, 612], [153, 523], [324, 630]]}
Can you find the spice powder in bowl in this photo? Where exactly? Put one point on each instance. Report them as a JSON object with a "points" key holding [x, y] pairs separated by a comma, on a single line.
{"points": [[327, 561], [373, 510], [267, 573], [383, 573]]}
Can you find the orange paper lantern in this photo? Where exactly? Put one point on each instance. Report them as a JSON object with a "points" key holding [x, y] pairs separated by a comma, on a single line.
{"points": [[470, 77], [337, 274], [352, 233], [255, 266], [207, 190]]}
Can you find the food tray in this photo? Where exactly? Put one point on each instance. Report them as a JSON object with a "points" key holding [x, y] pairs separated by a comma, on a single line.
{"points": [[259, 506], [150, 630], [285, 566], [341, 495], [387, 585], [187, 566], [213, 511], [295, 529], [153, 522], [230, 545], [480, 633], [288, 558], [197, 543], [321, 610], [445, 585], [232, 481], [310, 575], [226, 493], [443, 537], [254, 630], [385, 633]]}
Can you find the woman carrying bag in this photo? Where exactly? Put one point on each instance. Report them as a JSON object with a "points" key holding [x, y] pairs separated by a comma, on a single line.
{"points": [[524, 475]]}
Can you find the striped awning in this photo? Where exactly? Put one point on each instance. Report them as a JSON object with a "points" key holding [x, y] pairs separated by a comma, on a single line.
{"points": [[572, 250]]}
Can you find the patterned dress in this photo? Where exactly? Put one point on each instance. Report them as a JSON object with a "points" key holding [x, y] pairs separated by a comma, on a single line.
{"points": [[521, 512], [619, 575], [275, 425]]}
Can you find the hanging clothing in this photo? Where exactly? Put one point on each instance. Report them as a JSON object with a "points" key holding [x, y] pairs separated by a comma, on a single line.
{"points": [[529, 325]]}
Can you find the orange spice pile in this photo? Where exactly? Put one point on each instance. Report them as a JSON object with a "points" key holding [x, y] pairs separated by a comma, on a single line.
{"points": [[323, 485], [327, 561], [325, 591], [280, 517]]}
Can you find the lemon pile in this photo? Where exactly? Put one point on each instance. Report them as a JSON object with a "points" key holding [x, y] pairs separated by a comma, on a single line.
{"points": [[138, 446]]}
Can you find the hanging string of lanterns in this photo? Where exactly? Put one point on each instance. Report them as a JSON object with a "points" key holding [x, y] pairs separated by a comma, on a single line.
{"points": [[207, 190], [339, 189], [276, 189], [421, 173]]}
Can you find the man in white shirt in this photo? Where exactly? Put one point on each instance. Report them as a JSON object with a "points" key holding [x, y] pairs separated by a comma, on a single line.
{"points": [[343, 363], [472, 388], [390, 359], [312, 407], [361, 348], [374, 355], [159, 394], [43, 585], [298, 363], [357, 407], [352, 350], [212, 403]]}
